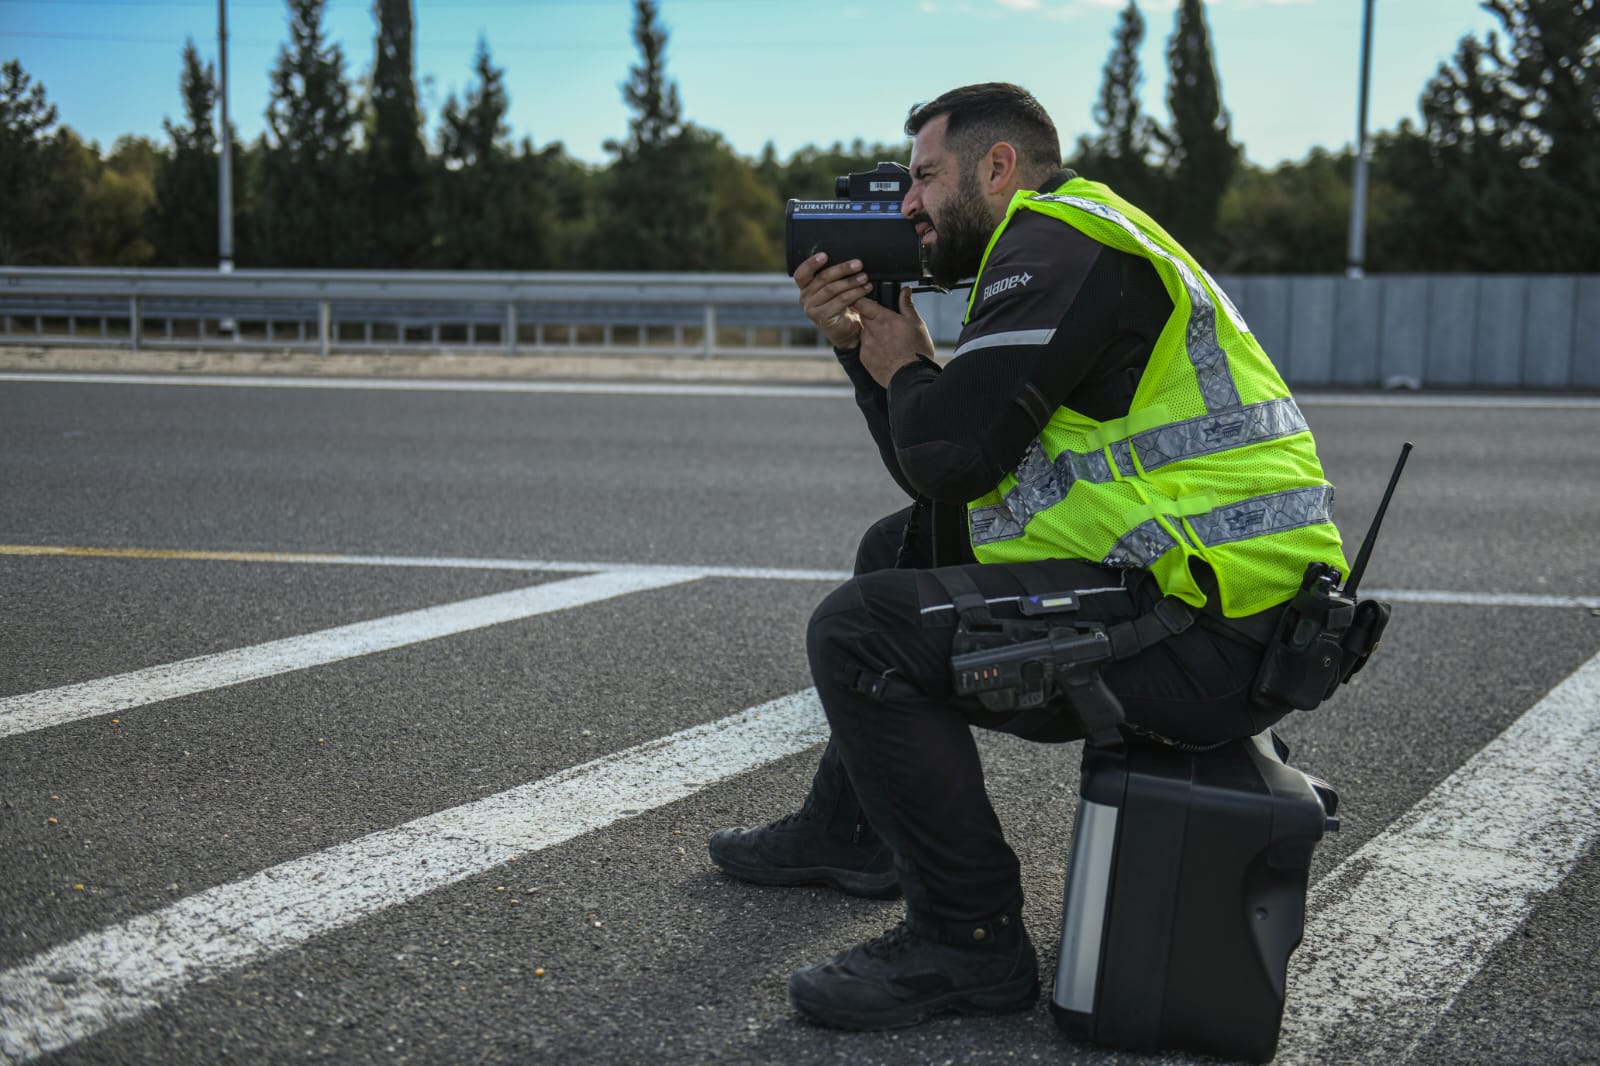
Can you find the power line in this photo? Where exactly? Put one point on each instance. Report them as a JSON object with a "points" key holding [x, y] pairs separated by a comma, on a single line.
{"points": [[690, 46]]}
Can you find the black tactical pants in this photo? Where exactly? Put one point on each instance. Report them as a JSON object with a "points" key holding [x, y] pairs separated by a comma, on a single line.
{"points": [[902, 756]]}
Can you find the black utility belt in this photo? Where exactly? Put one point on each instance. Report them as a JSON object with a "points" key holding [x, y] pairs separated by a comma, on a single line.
{"points": [[1019, 665], [1312, 645]]}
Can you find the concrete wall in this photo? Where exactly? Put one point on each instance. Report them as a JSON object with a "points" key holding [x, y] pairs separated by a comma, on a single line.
{"points": [[1538, 331]]}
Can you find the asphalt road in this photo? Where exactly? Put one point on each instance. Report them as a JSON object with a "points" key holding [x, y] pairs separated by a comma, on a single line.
{"points": [[170, 832]]}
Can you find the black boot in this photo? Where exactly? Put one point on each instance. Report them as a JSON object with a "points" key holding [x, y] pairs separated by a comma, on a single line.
{"points": [[827, 842], [919, 969], [800, 850]]}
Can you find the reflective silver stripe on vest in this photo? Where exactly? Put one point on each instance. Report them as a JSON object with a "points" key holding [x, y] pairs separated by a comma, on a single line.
{"points": [[1205, 352], [999, 340], [1276, 512], [1212, 433], [1259, 515], [1122, 455], [1042, 484], [1141, 546]]}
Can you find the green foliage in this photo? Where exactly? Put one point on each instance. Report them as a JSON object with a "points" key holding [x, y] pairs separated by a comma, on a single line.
{"points": [[1202, 157], [395, 164], [1290, 220], [118, 203], [1500, 173], [493, 209], [309, 211], [184, 218], [43, 176], [655, 198], [744, 227], [1121, 154], [1504, 174]]}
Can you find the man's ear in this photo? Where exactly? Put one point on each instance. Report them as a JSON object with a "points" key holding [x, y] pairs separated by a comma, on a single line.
{"points": [[998, 168]]}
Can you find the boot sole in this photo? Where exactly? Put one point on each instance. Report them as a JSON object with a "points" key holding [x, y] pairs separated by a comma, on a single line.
{"points": [[1008, 998], [850, 882]]}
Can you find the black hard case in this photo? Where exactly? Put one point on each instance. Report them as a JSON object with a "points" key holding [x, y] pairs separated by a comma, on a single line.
{"points": [[1185, 894]]}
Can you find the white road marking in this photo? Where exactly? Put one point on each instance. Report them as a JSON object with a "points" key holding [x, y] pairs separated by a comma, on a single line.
{"points": [[1481, 599], [1400, 927], [756, 573], [592, 388], [1395, 931], [425, 562], [83, 987], [70, 703], [1427, 399], [623, 388]]}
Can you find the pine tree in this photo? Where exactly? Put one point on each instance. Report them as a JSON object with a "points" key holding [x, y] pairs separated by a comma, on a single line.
{"points": [[1202, 156], [396, 162], [495, 208], [654, 99], [185, 216], [309, 212], [1120, 155], [657, 193], [474, 131]]}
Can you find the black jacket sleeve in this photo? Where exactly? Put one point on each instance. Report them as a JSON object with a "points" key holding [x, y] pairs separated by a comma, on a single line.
{"points": [[1060, 320], [873, 400]]}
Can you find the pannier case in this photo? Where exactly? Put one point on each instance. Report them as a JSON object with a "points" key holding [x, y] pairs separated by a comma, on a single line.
{"points": [[1186, 891]]}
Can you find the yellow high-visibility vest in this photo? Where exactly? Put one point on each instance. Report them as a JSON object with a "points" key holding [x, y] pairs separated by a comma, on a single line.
{"points": [[1213, 461]]}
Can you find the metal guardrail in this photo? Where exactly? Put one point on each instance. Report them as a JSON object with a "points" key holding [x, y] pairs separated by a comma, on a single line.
{"points": [[1453, 331], [333, 311]]}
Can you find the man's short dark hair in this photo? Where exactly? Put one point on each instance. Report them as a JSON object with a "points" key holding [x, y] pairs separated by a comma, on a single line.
{"points": [[981, 116]]}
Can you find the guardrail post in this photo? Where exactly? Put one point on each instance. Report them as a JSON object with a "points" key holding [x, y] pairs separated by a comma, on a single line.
{"points": [[511, 327], [710, 328], [135, 321], [325, 325]]}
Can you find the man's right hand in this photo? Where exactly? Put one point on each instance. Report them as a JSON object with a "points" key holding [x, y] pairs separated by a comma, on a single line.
{"points": [[828, 294]]}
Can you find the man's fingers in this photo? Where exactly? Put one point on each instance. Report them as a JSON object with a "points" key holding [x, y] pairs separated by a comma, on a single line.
{"points": [[829, 300], [808, 268]]}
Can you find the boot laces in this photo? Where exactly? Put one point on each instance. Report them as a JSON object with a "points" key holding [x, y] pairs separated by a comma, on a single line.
{"points": [[892, 942], [792, 818]]}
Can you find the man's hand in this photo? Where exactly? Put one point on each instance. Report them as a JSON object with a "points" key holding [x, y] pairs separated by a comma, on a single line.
{"points": [[890, 341], [826, 296]]}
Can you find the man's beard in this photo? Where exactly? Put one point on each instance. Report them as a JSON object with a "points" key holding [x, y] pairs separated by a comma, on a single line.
{"points": [[962, 236]]}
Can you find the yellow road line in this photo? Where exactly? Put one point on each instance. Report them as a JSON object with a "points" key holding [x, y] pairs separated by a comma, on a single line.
{"points": [[165, 553]]}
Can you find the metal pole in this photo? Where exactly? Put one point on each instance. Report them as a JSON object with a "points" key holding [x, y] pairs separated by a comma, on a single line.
{"points": [[1358, 190], [225, 172]]}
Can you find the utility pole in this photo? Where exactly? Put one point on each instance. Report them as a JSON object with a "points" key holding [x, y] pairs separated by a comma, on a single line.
{"points": [[225, 174], [1358, 191]]}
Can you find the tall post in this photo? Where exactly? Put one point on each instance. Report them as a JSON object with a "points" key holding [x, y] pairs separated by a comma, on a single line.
{"points": [[1358, 190], [225, 171]]}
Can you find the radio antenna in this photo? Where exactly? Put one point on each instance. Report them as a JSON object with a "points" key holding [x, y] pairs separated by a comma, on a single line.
{"points": [[1365, 554]]}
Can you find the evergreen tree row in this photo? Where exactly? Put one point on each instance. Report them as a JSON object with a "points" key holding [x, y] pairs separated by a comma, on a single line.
{"points": [[1500, 173]]}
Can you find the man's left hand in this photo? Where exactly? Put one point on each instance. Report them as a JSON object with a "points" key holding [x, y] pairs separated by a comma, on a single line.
{"points": [[890, 341]]}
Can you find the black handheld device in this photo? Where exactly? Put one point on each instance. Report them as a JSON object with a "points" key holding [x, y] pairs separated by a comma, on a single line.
{"points": [[863, 222], [1326, 634]]}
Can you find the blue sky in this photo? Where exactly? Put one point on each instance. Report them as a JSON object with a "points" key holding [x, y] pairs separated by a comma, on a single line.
{"points": [[793, 73]]}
